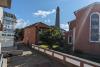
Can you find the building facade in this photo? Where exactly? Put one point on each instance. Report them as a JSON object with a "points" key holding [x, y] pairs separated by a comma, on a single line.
{"points": [[85, 29], [31, 33], [7, 24]]}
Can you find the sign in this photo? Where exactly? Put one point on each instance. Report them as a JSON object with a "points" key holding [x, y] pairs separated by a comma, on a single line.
{"points": [[5, 3]]}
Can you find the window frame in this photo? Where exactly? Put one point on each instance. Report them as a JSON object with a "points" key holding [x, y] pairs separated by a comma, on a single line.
{"points": [[69, 39], [90, 27]]}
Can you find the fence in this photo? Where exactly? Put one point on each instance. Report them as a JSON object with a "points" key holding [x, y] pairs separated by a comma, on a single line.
{"points": [[67, 58], [1, 60]]}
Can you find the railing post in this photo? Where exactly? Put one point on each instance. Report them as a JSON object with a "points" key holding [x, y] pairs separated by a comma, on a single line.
{"points": [[53, 53], [0, 48], [81, 64], [38, 48], [44, 50], [64, 58], [33, 46]]}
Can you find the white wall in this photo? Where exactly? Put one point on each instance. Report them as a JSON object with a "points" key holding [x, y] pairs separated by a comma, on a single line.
{"points": [[6, 42], [1, 13]]}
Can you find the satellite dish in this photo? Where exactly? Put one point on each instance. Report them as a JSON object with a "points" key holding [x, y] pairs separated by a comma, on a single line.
{"points": [[5, 3]]}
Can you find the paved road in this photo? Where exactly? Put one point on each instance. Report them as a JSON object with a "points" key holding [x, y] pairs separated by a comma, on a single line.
{"points": [[32, 58]]}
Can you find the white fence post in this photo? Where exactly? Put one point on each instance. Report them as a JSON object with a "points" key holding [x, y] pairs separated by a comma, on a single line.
{"points": [[0, 48]]}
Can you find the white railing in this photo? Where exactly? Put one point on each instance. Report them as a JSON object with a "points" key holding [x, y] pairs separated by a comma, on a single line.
{"points": [[1, 57], [1, 61], [67, 58]]}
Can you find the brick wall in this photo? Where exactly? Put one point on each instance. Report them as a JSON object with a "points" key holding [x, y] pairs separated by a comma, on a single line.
{"points": [[31, 33]]}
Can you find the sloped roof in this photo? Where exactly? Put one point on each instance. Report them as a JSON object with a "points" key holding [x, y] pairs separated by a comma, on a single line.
{"points": [[90, 5], [36, 24], [72, 21]]}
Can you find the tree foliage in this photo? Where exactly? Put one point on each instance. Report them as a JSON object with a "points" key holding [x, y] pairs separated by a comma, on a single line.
{"points": [[19, 34], [52, 36]]}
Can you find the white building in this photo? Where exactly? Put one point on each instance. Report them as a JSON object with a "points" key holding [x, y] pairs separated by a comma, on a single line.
{"points": [[7, 24]]}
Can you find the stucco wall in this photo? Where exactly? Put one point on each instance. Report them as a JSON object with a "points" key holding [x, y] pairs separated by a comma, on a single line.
{"points": [[82, 41]]}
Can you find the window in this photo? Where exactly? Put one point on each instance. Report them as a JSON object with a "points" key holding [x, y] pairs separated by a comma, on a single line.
{"points": [[70, 40], [40, 31], [8, 34], [3, 34], [95, 27]]}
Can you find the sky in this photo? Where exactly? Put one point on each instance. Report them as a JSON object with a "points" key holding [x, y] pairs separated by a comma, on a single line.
{"points": [[31, 11]]}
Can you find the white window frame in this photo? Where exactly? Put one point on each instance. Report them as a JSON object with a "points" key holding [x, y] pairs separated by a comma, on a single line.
{"points": [[90, 27]]}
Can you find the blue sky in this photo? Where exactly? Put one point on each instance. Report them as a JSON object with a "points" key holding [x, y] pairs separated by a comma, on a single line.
{"points": [[32, 11]]}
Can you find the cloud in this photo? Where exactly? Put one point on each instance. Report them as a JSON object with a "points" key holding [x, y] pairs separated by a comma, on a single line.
{"points": [[65, 26], [21, 23], [47, 21], [44, 14], [93, 1]]}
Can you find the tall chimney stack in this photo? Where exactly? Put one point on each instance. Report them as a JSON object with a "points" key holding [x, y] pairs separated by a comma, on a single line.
{"points": [[57, 22]]}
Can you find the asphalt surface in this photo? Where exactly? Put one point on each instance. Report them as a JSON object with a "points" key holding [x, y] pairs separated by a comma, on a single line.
{"points": [[32, 58]]}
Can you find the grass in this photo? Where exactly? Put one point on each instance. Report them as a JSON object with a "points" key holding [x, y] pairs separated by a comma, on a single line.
{"points": [[46, 46], [55, 46]]}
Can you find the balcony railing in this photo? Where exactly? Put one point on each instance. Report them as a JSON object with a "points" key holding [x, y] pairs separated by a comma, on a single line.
{"points": [[66, 58], [1, 60]]}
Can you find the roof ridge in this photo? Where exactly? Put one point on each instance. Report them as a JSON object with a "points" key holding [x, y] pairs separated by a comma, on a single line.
{"points": [[90, 5], [36, 24]]}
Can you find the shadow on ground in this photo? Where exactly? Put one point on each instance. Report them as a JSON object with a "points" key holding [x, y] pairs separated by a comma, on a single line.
{"points": [[32, 58]]}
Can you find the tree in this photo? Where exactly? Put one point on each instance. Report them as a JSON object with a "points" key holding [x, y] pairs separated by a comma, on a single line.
{"points": [[19, 34], [51, 36]]}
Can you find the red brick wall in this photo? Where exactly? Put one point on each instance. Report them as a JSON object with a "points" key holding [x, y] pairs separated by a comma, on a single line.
{"points": [[83, 32], [72, 24], [67, 34], [31, 33]]}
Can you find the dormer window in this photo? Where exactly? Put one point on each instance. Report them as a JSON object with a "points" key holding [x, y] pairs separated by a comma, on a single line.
{"points": [[95, 27]]}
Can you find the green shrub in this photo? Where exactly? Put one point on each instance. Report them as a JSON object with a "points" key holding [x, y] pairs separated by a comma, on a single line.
{"points": [[43, 46]]}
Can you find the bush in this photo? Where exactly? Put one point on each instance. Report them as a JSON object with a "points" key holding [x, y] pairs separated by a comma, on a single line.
{"points": [[78, 51], [43, 46], [55, 46]]}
